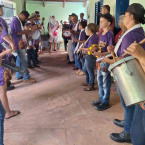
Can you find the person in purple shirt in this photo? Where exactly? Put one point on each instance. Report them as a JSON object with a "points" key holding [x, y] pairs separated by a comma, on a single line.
{"points": [[19, 37], [103, 74], [82, 38], [5, 38], [133, 19], [90, 59], [5, 112], [75, 31]]}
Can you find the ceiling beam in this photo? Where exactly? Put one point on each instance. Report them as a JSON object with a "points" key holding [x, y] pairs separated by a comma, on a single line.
{"points": [[43, 3], [64, 3]]}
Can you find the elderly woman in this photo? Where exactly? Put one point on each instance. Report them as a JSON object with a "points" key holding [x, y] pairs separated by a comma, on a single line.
{"points": [[123, 29]]}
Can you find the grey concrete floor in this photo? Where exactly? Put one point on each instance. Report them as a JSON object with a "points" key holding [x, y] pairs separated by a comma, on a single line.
{"points": [[56, 111]]}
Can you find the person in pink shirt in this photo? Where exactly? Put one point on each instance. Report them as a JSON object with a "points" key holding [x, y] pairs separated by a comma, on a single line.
{"points": [[54, 37]]}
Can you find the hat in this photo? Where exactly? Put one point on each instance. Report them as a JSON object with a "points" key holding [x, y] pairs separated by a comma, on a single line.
{"points": [[33, 15], [136, 8]]}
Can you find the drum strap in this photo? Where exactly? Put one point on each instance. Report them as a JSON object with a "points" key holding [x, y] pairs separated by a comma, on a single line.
{"points": [[120, 40], [23, 36]]}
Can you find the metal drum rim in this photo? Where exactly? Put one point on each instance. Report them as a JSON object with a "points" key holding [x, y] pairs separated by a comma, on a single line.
{"points": [[111, 67]]}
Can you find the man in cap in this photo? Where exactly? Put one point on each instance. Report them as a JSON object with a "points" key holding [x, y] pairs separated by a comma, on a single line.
{"points": [[19, 37]]}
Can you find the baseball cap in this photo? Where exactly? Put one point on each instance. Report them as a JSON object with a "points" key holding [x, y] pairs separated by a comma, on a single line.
{"points": [[136, 8]]}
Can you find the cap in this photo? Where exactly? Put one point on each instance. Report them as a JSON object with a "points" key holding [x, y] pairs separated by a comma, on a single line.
{"points": [[136, 8], [33, 15]]}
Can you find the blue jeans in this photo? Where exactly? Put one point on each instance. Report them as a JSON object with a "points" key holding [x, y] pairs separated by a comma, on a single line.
{"points": [[31, 54], [89, 65], [82, 63], [128, 113], [21, 62], [137, 131], [2, 116], [77, 61], [104, 84]]}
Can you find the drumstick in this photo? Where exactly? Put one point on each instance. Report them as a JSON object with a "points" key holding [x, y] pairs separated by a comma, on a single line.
{"points": [[141, 42], [112, 53]]}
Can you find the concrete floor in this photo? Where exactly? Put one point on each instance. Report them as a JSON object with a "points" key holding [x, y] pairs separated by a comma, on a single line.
{"points": [[56, 111]]}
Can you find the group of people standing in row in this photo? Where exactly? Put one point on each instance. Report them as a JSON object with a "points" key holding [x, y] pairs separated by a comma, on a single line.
{"points": [[102, 42]]}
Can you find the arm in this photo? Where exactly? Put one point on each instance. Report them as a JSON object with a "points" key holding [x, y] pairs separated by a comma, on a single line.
{"points": [[9, 40], [23, 32], [6, 52]]}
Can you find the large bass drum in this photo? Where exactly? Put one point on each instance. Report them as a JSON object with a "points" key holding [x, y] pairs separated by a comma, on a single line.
{"points": [[67, 33], [36, 35]]}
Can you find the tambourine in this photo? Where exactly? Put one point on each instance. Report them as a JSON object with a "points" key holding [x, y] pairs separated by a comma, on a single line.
{"points": [[36, 35], [67, 33], [94, 45]]}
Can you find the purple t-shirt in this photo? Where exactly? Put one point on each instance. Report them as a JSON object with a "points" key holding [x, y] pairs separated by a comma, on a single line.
{"points": [[94, 39], [134, 35], [5, 29], [15, 28], [83, 36], [106, 40]]}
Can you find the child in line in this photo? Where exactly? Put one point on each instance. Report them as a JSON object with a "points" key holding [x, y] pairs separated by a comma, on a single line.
{"points": [[103, 74], [82, 38]]}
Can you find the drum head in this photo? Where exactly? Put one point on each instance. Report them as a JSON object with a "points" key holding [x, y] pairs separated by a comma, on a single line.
{"points": [[36, 35], [67, 33]]}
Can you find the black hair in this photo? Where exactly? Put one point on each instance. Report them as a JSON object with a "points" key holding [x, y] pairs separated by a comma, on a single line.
{"points": [[37, 12], [33, 24], [107, 17], [83, 24], [138, 18], [25, 13], [107, 7], [82, 14], [53, 16]]}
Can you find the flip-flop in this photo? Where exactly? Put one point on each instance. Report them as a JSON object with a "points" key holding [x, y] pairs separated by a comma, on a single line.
{"points": [[17, 113]]}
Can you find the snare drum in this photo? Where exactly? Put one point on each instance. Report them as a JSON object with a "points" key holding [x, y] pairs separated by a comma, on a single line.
{"points": [[36, 35], [130, 79], [67, 33]]}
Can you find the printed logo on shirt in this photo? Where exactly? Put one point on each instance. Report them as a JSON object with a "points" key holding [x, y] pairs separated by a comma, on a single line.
{"points": [[102, 44]]}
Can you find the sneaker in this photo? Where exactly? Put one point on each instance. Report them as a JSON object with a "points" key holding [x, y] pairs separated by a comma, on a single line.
{"points": [[102, 107], [29, 81], [96, 103], [11, 87], [36, 65], [89, 88], [19, 78], [30, 66]]}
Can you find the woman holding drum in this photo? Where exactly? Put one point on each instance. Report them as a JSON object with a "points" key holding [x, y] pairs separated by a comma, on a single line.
{"points": [[133, 19]]}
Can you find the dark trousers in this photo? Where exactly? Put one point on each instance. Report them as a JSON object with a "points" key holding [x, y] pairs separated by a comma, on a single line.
{"points": [[31, 55], [138, 126], [36, 52], [65, 43]]}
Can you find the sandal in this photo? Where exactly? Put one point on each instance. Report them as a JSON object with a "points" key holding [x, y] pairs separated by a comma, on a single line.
{"points": [[89, 88], [14, 113]]}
